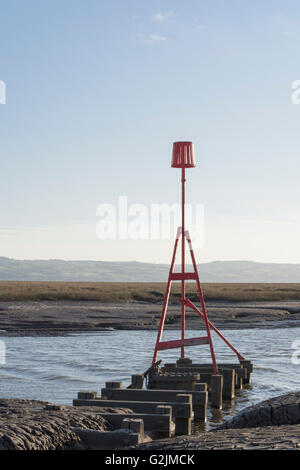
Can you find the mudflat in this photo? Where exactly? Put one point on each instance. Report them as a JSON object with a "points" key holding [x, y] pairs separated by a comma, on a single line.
{"points": [[48, 318]]}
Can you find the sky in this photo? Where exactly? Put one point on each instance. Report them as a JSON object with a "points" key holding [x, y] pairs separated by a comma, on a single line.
{"points": [[97, 91]]}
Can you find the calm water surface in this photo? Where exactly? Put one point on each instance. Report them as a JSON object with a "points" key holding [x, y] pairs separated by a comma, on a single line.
{"points": [[55, 368]]}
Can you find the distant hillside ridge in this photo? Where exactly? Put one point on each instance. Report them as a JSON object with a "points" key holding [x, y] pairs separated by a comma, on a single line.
{"points": [[133, 271]]}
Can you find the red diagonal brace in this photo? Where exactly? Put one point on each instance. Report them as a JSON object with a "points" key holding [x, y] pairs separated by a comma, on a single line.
{"points": [[190, 304]]}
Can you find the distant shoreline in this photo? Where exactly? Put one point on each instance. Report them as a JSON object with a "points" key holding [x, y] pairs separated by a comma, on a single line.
{"points": [[137, 271]]}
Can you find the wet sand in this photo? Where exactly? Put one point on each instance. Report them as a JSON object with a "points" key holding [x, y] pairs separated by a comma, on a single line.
{"points": [[48, 318]]}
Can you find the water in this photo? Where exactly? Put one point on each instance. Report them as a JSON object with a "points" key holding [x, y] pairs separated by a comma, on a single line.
{"points": [[55, 368]]}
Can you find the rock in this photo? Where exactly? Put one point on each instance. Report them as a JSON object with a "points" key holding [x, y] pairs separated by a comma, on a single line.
{"points": [[36, 425], [273, 424], [284, 409], [264, 438]]}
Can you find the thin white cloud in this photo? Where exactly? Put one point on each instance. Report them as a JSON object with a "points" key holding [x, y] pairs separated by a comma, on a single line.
{"points": [[287, 26], [159, 16], [154, 38], [157, 38], [198, 25]]}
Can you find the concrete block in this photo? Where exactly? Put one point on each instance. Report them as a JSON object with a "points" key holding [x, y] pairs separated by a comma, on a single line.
{"points": [[138, 407], [183, 426], [137, 381], [228, 384], [107, 440], [216, 391], [199, 398], [86, 395], [135, 426], [156, 423], [164, 410], [183, 420], [249, 366], [113, 384], [184, 361], [127, 396], [165, 429], [184, 405], [238, 382], [244, 369], [200, 413], [241, 372], [200, 387], [206, 378], [174, 380]]}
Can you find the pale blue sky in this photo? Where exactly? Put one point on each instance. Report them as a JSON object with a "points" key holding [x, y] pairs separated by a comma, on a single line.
{"points": [[97, 91]]}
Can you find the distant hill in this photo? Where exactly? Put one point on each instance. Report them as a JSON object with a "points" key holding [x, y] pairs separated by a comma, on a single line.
{"points": [[93, 271]]}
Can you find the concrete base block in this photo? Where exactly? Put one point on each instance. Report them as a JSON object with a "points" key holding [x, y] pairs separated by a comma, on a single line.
{"points": [[183, 420], [158, 422], [249, 366], [228, 384], [85, 395], [183, 426], [200, 407], [162, 396], [174, 380], [108, 440], [135, 426], [184, 361], [113, 384], [201, 387], [137, 381], [216, 391]]}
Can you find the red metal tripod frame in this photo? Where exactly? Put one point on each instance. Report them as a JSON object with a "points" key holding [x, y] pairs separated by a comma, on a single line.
{"points": [[182, 276], [183, 157], [166, 298]]}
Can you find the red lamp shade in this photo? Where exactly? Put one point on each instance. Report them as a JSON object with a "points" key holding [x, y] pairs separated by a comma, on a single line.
{"points": [[183, 155]]}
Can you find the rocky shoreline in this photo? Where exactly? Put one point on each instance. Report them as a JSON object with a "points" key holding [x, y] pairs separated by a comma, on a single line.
{"points": [[50, 318], [34, 425], [37, 425]]}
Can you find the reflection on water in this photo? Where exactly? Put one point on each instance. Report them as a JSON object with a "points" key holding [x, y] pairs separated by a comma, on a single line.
{"points": [[56, 368]]}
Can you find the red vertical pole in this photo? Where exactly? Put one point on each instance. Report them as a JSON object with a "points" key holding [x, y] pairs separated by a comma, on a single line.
{"points": [[183, 258]]}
